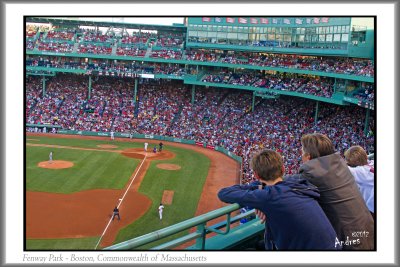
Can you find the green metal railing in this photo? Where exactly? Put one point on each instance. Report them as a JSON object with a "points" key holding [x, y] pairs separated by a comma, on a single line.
{"points": [[200, 235]]}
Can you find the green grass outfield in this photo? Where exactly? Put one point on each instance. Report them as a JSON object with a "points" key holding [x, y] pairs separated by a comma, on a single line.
{"points": [[113, 173]]}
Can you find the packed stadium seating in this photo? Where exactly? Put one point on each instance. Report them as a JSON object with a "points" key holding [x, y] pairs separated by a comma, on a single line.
{"points": [[361, 67], [97, 37], [166, 54], [89, 48], [131, 51], [167, 43], [138, 38], [219, 117], [66, 35], [58, 47], [169, 40]]}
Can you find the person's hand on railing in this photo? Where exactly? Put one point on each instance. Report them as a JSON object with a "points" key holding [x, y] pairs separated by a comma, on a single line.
{"points": [[261, 215]]}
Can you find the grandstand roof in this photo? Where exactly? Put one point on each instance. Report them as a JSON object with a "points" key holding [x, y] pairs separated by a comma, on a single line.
{"points": [[78, 22]]}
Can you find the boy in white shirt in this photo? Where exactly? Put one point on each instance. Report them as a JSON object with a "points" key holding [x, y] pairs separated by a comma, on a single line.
{"points": [[363, 172]]}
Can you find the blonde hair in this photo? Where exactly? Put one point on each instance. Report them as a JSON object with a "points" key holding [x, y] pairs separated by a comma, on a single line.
{"points": [[267, 164], [356, 156], [317, 145]]}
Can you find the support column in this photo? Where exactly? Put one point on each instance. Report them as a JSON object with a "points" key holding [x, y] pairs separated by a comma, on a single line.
{"points": [[193, 92], [316, 113], [135, 92], [253, 101], [334, 87], [366, 121], [43, 86], [90, 86]]}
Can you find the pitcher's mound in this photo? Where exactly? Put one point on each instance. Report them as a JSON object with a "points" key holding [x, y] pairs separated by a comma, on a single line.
{"points": [[167, 166], [56, 164]]}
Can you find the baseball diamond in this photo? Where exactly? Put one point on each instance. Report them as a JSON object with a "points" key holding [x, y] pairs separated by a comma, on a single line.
{"points": [[48, 212]]}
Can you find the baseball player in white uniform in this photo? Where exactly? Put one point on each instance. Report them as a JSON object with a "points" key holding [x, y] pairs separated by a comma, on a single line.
{"points": [[112, 135], [160, 210], [51, 156], [145, 146]]}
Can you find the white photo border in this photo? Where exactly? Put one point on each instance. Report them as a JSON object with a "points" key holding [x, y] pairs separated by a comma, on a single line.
{"points": [[12, 96]]}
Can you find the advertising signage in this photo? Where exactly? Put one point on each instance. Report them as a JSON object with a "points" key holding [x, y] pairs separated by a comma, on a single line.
{"points": [[274, 21]]}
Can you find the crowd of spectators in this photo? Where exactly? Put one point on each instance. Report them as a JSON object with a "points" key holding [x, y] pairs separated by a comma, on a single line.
{"points": [[97, 37], [166, 54], [33, 90], [54, 62], [319, 87], [266, 43], [88, 48], [201, 55], [367, 93], [30, 45], [158, 104], [218, 117], [351, 66], [61, 35], [58, 47], [131, 51], [120, 67], [169, 40], [134, 45], [30, 32], [322, 86], [61, 104], [138, 38]]}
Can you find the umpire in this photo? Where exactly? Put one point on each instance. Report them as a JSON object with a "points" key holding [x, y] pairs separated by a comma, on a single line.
{"points": [[116, 213]]}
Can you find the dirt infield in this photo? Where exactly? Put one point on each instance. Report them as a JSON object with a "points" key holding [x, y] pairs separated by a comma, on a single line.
{"points": [[167, 166], [49, 215], [56, 164], [80, 214], [168, 196], [138, 153], [107, 146]]}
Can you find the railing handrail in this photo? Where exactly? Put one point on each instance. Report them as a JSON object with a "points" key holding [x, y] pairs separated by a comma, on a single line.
{"points": [[173, 229]]}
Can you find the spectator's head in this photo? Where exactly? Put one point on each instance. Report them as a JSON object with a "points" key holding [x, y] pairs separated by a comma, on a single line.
{"points": [[315, 145], [267, 165], [356, 156]]}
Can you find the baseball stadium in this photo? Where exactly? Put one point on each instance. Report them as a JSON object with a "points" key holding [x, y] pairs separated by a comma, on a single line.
{"points": [[133, 130]]}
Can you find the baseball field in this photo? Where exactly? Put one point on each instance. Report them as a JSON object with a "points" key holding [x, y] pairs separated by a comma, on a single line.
{"points": [[69, 200]]}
